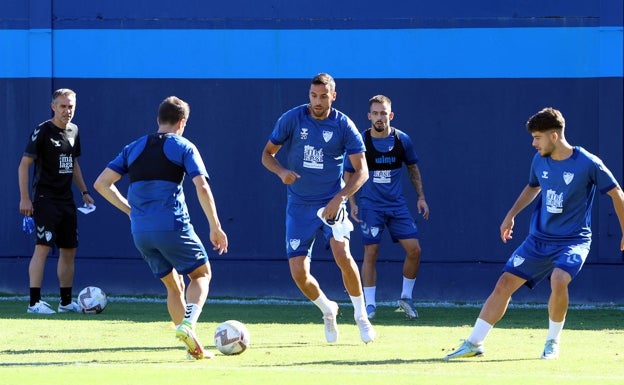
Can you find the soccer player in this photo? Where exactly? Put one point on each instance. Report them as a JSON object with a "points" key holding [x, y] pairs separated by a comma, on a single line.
{"points": [[380, 202], [317, 137], [156, 165], [53, 147], [564, 179]]}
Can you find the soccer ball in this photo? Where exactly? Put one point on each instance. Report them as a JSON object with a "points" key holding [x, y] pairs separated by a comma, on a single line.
{"points": [[231, 337], [92, 300]]}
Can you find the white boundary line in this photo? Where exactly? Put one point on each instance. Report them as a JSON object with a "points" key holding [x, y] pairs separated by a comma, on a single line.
{"points": [[278, 301]]}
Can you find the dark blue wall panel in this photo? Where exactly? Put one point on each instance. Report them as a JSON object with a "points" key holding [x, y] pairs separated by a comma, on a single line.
{"points": [[470, 135]]}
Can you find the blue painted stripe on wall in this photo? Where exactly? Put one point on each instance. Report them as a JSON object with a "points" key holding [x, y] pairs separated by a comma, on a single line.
{"points": [[406, 53]]}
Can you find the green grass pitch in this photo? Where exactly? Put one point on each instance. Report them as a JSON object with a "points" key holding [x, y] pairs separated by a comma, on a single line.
{"points": [[134, 343]]}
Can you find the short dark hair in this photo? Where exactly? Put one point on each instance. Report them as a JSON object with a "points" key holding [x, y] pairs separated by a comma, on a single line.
{"points": [[379, 99], [172, 110], [62, 92], [325, 79], [545, 120]]}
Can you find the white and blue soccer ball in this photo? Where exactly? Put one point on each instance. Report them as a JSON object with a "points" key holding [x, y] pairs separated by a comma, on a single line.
{"points": [[231, 337], [92, 300]]}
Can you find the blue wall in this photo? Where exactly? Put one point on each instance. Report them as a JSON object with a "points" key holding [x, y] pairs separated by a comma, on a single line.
{"points": [[463, 81]]}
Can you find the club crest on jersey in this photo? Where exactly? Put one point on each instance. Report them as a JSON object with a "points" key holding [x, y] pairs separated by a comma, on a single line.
{"points": [[327, 135], [518, 260], [294, 243], [567, 177], [304, 133]]}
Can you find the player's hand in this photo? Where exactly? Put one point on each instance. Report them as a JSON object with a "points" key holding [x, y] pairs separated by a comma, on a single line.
{"points": [[219, 240], [423, 208], [288, 176], [88, 199], [506, 229], [355, 210], [331, 210], [622, 244], [26, 207]]}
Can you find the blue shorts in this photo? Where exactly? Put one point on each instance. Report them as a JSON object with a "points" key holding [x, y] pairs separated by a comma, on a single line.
{"points": [[534, 260], [302, 224], [165, 250], [400, 223]]}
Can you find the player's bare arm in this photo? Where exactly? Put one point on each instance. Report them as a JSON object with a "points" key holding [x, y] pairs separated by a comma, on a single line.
{"points": [[218, 238], [414, 174], [25, 206], [352, 185], [105, 185], [268, 160], [617, 196], [527, 196], [353, 207], [80, 183]]}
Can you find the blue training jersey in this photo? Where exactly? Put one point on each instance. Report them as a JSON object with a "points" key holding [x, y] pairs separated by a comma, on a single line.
{"points": [[316, 150], [156, 165], [563, 210], [384, 188]]}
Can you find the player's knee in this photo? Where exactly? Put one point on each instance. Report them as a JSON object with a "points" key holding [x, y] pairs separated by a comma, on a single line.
{"points": [[560, 279]]}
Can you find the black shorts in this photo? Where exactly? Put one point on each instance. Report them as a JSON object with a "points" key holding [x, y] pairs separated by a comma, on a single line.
{"points": [[56, 223]]}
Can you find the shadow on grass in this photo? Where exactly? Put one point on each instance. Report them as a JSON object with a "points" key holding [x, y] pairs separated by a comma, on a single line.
{"points": [[86, 351], [394, 361]]}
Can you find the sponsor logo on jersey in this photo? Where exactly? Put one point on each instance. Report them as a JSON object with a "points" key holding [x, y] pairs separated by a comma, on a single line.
{"points": [[554, 202], [382, 176], [385, 159], [312, 158], [66, 164]]}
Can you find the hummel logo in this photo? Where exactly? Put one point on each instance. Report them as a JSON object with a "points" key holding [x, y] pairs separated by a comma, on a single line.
{"points": [[56, 143], [33, 137], [544, 174], [573, 260]]}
